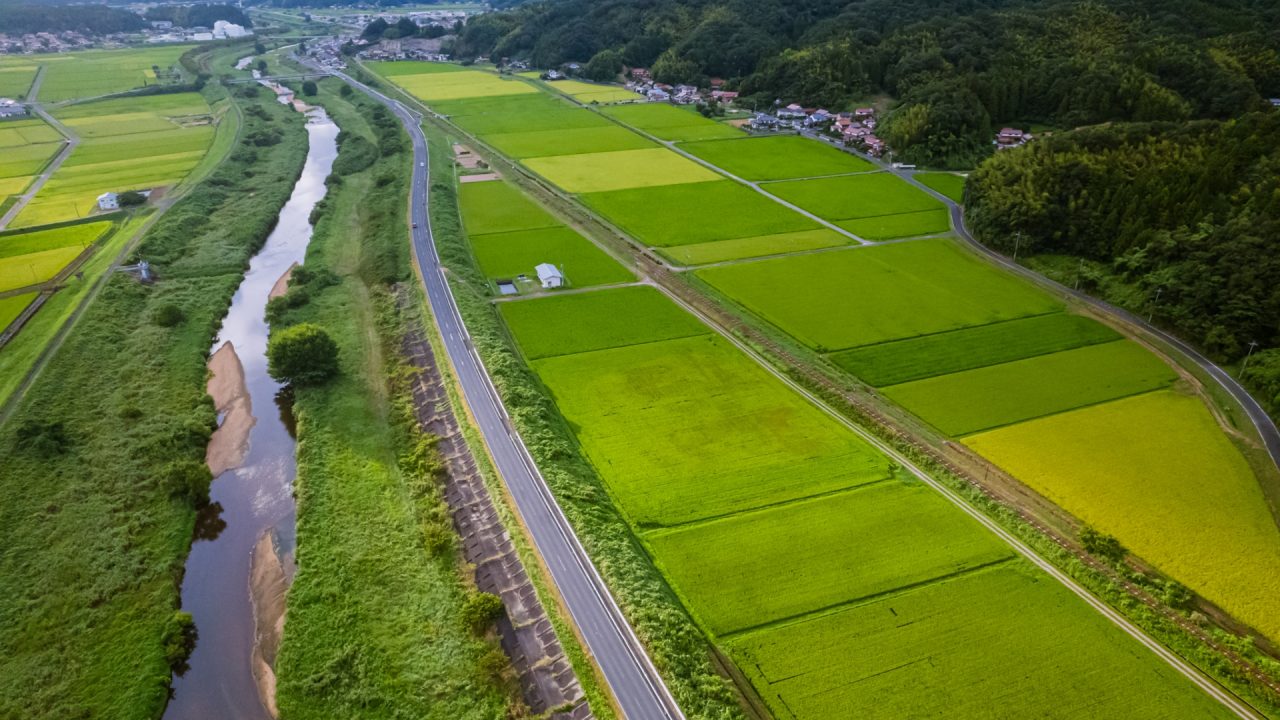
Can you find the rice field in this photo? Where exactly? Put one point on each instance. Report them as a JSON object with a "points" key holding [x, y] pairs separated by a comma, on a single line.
{"points": [[968, 348], [12, 307], [948, 184], [459, 84], [861, 296], [93, 73], [509, 114], [571, 141], [619, 170], [972, 400], [668, 122], [855, 196], [587, 93], [889, 227], [694, 213], [857, 545], [572, 324], [752, 247], [497, 207], [1002, 642], [138, 143], [777, 157], [16, 77], [831, 582], [507, 255], [34, 257], [1157, 472], [26, 146]]}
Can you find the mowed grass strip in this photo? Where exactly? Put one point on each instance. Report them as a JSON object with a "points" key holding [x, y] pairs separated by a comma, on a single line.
{"points": [[495, 207], [687, 429], [861, 296], [506, 255], [750, 247], [777, 157], [599, 172], [571, 141], [997, 395], [1004, 642], [761, 567], [889, 227], [569, 324], [948, 184], [694, 213], [917, 358], [667, 122], [1157, 472], [855, 196]]}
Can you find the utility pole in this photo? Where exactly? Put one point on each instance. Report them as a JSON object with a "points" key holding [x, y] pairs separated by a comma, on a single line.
{"points": [[1252, 344], [1153, 304], [1017, 242], [1079, 270]]}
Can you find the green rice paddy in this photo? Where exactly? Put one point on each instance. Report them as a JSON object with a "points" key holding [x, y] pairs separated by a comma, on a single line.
{"points": [[693, 213], [855, 196], [860, 296], [93, 73], [751, 247], [12, 307], [618, 170], [948, 184], [777, 157], [588, 93], [888, 227], [16, 77], [668, 122], [972, 400], [34, 257], [507, 255], [572, 141], [922, 357], [495, 207], [26, 146]]}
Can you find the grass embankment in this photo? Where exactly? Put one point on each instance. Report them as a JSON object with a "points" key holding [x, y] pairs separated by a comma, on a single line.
{"points": [[674, 642], [93, 522], [377, 624]]}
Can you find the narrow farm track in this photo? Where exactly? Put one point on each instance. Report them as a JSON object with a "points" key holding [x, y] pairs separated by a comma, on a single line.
{"points": [[636, 685]]}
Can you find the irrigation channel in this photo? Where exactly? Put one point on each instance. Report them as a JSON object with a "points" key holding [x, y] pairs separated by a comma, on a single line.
{"points": [[241, 558]]}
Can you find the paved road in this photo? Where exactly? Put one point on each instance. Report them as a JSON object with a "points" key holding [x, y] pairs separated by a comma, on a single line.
{"points": [[635, 683], [1265, 426]]}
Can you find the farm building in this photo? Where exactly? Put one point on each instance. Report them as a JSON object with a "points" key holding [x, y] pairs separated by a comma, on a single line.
{"points": [[550, 276], [109, 201]]}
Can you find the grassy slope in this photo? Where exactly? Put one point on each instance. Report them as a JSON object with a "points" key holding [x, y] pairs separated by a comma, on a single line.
{"points": [[374, 626], [94, 540]]}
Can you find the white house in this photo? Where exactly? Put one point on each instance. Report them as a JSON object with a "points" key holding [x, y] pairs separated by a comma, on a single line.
{"points": [[109, 201], [550, 276]]}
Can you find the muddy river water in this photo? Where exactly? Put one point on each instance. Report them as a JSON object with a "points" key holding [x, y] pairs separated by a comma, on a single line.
{"points": [[252, 503]]}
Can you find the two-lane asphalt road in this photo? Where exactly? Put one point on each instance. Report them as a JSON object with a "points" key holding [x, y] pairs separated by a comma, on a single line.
{"points": [[630, 674]]}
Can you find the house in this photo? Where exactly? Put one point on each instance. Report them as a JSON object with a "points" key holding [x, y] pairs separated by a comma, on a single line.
{"points": [[550, 276], [162, 24], [716, 83], [11, 108], [553, 75], [724, 96], [874, 145], [763, 121], [1010, 137], [686, 95], [109, 201], [640, 74], [855, 133], [657, 94], [862, 113], [818, 117], [1275, 102], [792, 112]]}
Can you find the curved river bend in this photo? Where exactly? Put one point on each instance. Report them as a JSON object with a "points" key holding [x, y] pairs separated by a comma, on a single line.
{"points": [[252, 500]]}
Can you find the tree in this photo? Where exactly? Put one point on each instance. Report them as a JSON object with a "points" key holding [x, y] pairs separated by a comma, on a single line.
{"points": [[345, 91], [302, 355], [259, 49], [481, 610], [309, 88], [131, 198], [604, 66], [262, 66]]}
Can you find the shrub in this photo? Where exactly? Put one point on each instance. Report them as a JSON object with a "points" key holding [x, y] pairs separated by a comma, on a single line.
{"points": [[309, 88], [167, 315], [131, 198], [482, 610], [43, 438], [179, 640], [1103, 546], [302, 355], [189, 479]]}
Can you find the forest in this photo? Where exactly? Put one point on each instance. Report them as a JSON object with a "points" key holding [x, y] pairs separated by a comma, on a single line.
{"points": [[952, 69], [200, 15], [1176, 221], [17, 18]]}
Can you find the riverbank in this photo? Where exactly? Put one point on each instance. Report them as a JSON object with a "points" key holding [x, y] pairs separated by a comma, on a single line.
{"points": [[379, 592], [103, 457]]}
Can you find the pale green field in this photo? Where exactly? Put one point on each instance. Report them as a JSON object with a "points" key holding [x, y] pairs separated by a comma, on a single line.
{"points": [[12, 307], [566, 141], [590, 93], [26, 146], [460, 85], [1157, 472], [15, 78], [127, 144], [101, 72], [750, 247], [32, 268], [619, 170]]}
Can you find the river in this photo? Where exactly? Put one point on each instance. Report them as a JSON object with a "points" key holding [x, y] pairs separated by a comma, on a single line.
{"points": [[253, 499]]}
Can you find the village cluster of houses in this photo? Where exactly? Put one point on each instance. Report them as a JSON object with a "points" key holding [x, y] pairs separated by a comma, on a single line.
{"points": [[45, 42], [854, 129], [427, 49], [642, 82]]}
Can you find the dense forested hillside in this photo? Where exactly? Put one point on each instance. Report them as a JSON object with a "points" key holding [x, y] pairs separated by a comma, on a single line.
{"points": [[957, 66], [1181, 221], [19, 18], [201, 15]]}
